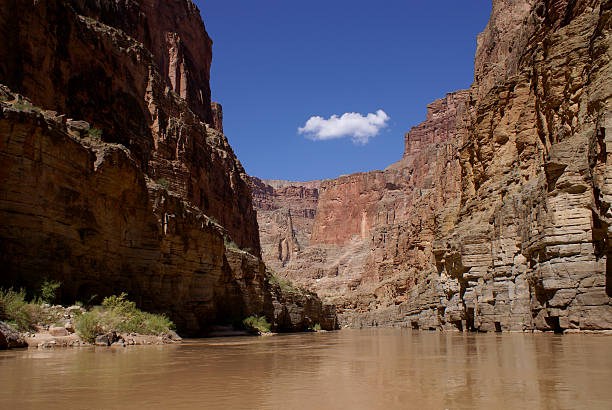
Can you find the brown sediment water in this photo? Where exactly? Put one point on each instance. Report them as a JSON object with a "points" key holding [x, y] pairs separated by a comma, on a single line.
{"points": [[348, 369]]}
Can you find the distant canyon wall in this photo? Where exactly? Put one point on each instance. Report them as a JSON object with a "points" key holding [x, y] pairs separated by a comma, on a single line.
{"points": [[285, 215], [497, 217]]}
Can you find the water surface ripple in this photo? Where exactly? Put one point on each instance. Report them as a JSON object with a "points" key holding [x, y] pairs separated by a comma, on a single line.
{"points": [[348, 369]]}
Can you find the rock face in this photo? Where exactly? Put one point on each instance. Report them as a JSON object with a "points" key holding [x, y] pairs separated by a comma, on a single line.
{"points": [[440, 126], [10, 338], [111, 180], [174, 33], [373, 232], [498, 216], [529, 247], [217, 117], [285, 214], [92, 71]]}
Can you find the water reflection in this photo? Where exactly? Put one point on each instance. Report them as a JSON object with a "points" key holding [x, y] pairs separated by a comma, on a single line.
{"points": [[359, 369]]}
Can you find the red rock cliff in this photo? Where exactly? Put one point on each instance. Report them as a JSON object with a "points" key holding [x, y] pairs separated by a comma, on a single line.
{"points": [[110, 182], [285, 214], [174, 33], [505, 224], [93, 71]]}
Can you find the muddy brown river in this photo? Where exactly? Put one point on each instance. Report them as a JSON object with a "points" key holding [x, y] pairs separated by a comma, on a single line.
{"points": [[348, 369]]}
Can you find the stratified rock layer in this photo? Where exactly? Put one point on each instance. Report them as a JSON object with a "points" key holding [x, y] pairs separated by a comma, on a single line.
{"points": [[122, 191], [81, 67], [498, 216], [285, 214]]}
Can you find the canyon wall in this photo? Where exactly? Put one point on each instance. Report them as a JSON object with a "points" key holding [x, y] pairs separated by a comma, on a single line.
{"points": [[497, 218], [81, 67], [285, 214], [372, 235], [115, 178]]}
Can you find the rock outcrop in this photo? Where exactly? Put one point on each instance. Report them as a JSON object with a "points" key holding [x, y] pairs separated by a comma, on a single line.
{"points": [[113, 176], [10, 338], [528, 251], [498, 216], [174, 33], [285, 214], [95, 72]]}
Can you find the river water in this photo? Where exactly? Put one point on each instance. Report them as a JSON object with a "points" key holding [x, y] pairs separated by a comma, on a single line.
{"points": [[348, 369]]}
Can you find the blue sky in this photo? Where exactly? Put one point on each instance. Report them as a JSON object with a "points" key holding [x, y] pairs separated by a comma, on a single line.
{"points": [[276, 64]]}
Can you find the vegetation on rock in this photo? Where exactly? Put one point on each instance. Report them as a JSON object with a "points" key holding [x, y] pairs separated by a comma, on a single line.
{"points": [[95, 133], [119, 314], [285, 284], [257, 323], [164, 183], [22, 315]]}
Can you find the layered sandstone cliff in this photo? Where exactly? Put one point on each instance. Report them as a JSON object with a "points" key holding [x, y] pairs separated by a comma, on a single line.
{"points": [[285, 214], [115, 176], [497, 218], [88, 70], [373, 232]]}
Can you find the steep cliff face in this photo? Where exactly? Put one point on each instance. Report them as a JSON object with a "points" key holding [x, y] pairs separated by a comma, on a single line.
{"points": [[81, 67], [174, 33], [285, 214], [529, 250], [110, 181], [440, 126], [497, 217], [373, 232]]}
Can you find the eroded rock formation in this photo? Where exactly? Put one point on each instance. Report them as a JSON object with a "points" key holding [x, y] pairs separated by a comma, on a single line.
{"points": [[498, 216], [114, 176], [285, 214]]}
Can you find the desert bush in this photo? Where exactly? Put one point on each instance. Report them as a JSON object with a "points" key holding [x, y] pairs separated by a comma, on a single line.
{"points": [[26, 106], [230, 244], [48, 291], [20, 314], [95, 133], [15, 310], [285, 284], [119, 314], [89, 325], [164, 183], [316, 327], [258, 323]]}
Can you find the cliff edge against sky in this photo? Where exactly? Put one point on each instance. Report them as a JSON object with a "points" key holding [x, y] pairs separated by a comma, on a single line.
{"points": [[497, 217], [115, 175]]}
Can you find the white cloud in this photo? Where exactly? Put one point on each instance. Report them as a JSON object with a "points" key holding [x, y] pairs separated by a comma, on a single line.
{"points": [[350, 124]]}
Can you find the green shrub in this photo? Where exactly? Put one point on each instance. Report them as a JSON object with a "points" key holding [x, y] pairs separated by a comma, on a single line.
{"points": [[316, 327], [120, 315], [164, 183], [120, 304], [26, 106], [258, 323], [15, 310], [20, 314], [285, 284], [89, 325], [48, 291], [95, 133], [230, 244]]}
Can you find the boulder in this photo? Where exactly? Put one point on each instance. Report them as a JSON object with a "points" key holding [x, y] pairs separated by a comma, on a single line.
{"points": [[10, 338], [58, 331]]}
